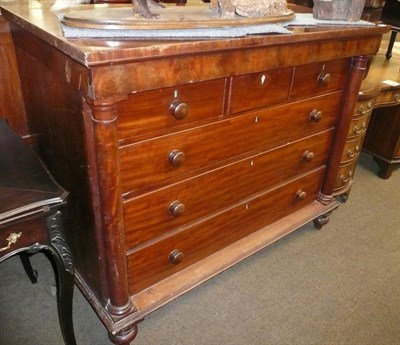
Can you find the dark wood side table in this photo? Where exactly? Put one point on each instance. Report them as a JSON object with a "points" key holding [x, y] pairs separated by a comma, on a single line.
{"points": [[30, 218], [391, 16]]}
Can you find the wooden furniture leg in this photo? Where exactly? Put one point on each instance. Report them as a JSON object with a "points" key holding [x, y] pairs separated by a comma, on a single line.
{"points": [[391, 44], [26, 263], [30, 219]]}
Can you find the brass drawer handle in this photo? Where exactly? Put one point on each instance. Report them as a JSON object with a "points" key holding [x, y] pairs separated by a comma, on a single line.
{"points": [[11, 239], [176, 208], [176, 158], [178, 109], [301, 194], [308, 156], [357, 130], [315, 115], [324, 78], [397, 97], [364, 111], [175, 257], [346, 179], [353, 153]]}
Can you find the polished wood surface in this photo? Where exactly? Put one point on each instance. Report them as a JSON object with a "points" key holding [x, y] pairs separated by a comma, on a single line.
{"points": [[11, 101], [143, 133]]}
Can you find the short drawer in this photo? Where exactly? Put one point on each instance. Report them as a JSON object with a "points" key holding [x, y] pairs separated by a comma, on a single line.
{"points": [[259, 89], [358, 126], [352, 149], [152, 263], [161, 159], [388, 97], [345, 175], [156, 213], [364, 108], [170, 107], [17, 237], [319, 78]]}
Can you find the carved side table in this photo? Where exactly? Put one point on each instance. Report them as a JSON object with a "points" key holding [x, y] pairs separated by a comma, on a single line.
{"points": [[30, 218]]}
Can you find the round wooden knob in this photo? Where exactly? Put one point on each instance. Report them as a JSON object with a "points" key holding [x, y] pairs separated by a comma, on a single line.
{"points": [[176, 208], [308, 156], [315, 115], [178, 109], [301, 195], [324, 78], [175, 257], [176, 158]]}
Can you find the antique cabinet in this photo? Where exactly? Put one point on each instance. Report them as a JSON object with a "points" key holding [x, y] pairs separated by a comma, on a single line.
{"points": [[184, 157], [11, 102]]}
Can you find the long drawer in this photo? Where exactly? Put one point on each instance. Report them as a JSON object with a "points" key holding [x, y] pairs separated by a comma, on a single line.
{"points": [[156, 161], [155, 213], [156, 261]]}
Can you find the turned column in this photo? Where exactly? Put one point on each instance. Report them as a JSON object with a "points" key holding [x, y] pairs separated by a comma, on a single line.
{"points": [[358, 67], [110, 217]]}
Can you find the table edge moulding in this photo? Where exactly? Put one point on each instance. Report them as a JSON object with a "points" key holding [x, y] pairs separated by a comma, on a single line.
{"points": [[125, 123]]}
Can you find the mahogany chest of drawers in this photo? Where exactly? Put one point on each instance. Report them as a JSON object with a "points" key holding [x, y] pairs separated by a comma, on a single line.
{"points": [[184, 157]]}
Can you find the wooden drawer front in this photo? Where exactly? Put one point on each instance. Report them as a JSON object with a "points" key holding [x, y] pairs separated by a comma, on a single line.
{"points": [[364, 108], [259, 89], [154, 214], [389, 97], [319, 78], [148, 162], [151, 110], [22, 235], [358, 126], [345, 175], [352, 149], [150, 264]]}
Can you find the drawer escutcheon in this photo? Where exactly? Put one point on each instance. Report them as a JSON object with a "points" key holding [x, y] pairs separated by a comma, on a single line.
{"points": [[11, 239]]}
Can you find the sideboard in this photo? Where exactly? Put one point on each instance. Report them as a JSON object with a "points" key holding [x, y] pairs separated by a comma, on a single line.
{"points": [[183, 157], [382, 139], [375, 127]]}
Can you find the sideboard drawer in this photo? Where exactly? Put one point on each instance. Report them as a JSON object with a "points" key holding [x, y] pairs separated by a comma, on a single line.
{"points": [[154, 160], [156, 213], [152, 263], [364, 107], [259, 89], [170, 107], [345, 175], [319, 78], [358, 126], [352, 149]]}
